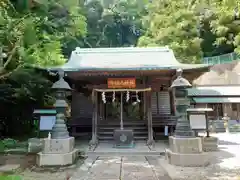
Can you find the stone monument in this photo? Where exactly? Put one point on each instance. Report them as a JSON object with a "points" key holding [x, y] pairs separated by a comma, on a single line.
{"points": [[58, 148], [185, 149]]}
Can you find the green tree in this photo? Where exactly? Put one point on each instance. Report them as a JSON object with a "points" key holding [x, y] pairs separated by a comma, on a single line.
{"points": [[114, 23], [32, 32], [225, 25], [193, 29], [174, 24], [36, 32]]}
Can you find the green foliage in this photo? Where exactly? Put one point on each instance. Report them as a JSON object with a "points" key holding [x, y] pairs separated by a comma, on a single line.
{"points": [[23, 91], [173, 24], [35, 33], [114, 24], [10, 177], [193, 28], [225, 25]]}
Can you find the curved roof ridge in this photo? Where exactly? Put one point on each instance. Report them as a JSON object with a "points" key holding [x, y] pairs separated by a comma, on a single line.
{"points": [[125, 58], [122, 49]]}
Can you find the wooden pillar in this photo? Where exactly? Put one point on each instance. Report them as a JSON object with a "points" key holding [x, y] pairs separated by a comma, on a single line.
{"points": [[94, 140], [172, 97], [144, 100], [150, 140], [101, 116], [172, 106]]}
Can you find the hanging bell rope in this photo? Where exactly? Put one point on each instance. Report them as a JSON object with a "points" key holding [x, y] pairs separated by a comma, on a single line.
{"points": [[103, 97]]}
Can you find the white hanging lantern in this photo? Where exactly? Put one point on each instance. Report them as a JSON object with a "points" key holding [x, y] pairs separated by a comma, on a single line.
{"points": [[127, 96], [114, 97], [103, 97]]}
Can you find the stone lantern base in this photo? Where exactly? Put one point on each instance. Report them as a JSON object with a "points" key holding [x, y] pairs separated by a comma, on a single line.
{"points": [[57, 152], [186, 152]]}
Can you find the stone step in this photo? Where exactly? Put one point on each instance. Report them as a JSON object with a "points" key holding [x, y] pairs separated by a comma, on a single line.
{"points": [[106, 138], [112, 128], [124, 124], [111, 133], [126, 153], [106, 131]]}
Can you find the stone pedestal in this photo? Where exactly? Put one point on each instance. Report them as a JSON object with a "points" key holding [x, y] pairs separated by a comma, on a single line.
{"points": [[123, 138], [57, 152], [186, 152], [210, 144]]}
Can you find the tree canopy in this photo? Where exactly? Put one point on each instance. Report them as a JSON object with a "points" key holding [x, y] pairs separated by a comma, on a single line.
{"points": [[114, 24], [193, 29], [45, 32], [35, 32], [32, 33]]}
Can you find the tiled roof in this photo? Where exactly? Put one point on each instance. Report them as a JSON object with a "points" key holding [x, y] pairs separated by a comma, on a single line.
{"points": [[131, 58], [214, 91]]}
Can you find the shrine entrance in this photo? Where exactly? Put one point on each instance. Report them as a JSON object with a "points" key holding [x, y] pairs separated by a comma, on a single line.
{"points": [[122, 109], [114, 105]]}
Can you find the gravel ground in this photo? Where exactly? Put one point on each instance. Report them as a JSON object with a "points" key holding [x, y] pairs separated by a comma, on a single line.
{"points": [[61, 173]]}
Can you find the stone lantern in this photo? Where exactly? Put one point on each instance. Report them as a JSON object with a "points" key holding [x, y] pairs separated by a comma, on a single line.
{"points": [[184, 148], [58, 149], [180, 84], [61, 87]]}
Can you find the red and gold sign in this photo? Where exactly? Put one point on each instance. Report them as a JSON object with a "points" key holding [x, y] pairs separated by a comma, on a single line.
{"points": [[121, 83]]}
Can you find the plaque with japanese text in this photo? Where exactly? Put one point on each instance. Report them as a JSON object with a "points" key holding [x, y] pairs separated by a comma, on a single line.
{"points": [[121, 83]]}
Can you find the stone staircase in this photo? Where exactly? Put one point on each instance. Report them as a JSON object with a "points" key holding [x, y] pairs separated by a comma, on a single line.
{"points": [[106, 130]]}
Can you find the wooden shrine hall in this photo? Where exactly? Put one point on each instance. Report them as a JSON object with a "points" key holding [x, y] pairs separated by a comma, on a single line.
{"points": [[123, 88]]}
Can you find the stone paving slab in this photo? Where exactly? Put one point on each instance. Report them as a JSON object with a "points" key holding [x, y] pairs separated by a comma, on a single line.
{"points": [[122, 168], [106, 168], [140, 149], [109, 147], [83, 170], [103, 168], [156, 164], [136, 168]]}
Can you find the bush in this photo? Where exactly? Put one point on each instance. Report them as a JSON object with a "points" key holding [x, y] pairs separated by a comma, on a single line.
{"points": [[23, 91]]}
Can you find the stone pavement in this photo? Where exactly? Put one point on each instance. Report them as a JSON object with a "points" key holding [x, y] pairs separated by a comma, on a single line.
{"points": [[140, 149], [121, 168]]}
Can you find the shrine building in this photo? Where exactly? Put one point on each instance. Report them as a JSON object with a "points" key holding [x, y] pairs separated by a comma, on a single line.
{"points": [[123, 88]]}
